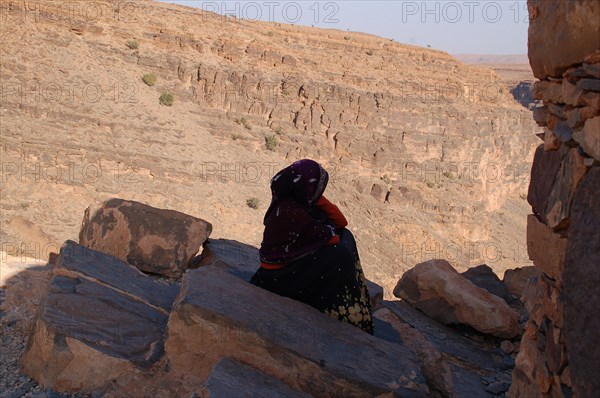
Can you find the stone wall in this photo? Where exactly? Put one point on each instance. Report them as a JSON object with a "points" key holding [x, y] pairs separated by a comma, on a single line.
{"points": [[559, 353]]}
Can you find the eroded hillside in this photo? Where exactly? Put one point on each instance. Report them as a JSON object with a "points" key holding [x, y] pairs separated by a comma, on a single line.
{"points": [[428, 157]]}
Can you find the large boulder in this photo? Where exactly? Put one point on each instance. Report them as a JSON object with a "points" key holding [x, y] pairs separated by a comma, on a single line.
{"points": [[100, 318], [435, 288], [154, 240], [219, 315], [561, 34]]}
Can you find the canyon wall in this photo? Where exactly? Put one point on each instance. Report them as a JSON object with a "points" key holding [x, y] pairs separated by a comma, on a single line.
{"points": [[559, 353], [428, 157]]}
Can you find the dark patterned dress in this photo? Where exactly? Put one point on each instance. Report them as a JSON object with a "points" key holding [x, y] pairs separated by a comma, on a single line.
{"points": [[330, 280]]}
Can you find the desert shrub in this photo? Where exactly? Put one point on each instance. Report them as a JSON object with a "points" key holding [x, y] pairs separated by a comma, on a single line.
{"points": [[369, 52], [149, 79], [253, 203], [236, 136], [271, 142], [279, 130], [244, 122], [166, 99], [133, 44], [448, 175]]}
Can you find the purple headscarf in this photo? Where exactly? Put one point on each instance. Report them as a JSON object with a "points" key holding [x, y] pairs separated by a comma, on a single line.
{"points": [[294, 227]]}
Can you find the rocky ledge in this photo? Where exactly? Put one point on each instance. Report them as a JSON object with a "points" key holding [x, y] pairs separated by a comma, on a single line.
{"points": [[106, 328]]}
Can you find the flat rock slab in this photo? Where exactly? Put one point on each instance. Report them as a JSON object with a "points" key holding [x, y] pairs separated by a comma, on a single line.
{"points": [[154, 240], [243, 261], [484, 356], [467, 360], [116, 274], [218, 315], [230, 378], [100, 318]]}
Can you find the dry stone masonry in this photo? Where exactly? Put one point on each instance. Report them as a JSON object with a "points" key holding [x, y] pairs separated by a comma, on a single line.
{"points": [[559, 353]]}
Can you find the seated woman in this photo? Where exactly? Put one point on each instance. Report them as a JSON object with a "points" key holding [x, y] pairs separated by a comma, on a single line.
{"points": [[306, 253]]}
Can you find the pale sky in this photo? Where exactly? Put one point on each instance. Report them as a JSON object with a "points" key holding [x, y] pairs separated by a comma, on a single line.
{"points": [[457, 27]]}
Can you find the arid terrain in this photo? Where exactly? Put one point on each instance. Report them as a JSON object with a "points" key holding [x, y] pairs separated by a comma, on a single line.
{"points": [[428, 157], [431, 157], [444, 139]]}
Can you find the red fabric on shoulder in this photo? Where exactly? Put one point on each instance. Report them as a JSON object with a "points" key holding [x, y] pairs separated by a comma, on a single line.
{"points": [[333, 212]]}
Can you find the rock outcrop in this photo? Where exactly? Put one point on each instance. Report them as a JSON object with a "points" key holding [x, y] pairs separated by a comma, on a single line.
{"points": [[219, 315], [100, 318], [559, 353], [154, 240], [435, 288], [455, 365], [104, 327]]}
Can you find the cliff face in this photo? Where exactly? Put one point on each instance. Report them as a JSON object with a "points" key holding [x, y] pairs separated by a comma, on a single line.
{"points": [[444, 143], [559, 354]]}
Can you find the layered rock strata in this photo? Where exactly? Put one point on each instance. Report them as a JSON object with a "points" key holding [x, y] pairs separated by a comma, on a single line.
{"points": [[100, 318]]}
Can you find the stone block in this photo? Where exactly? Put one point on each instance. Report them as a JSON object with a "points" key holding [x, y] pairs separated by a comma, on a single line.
{"points": [[543, 173], [591, 99], [568, 177], [589, 137], [545, 247], [454, 364], [540, 115], [592, 70], [551, 141], [154, 240], [572, 94], [561, 34], [548, 91], [589, 85]]}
